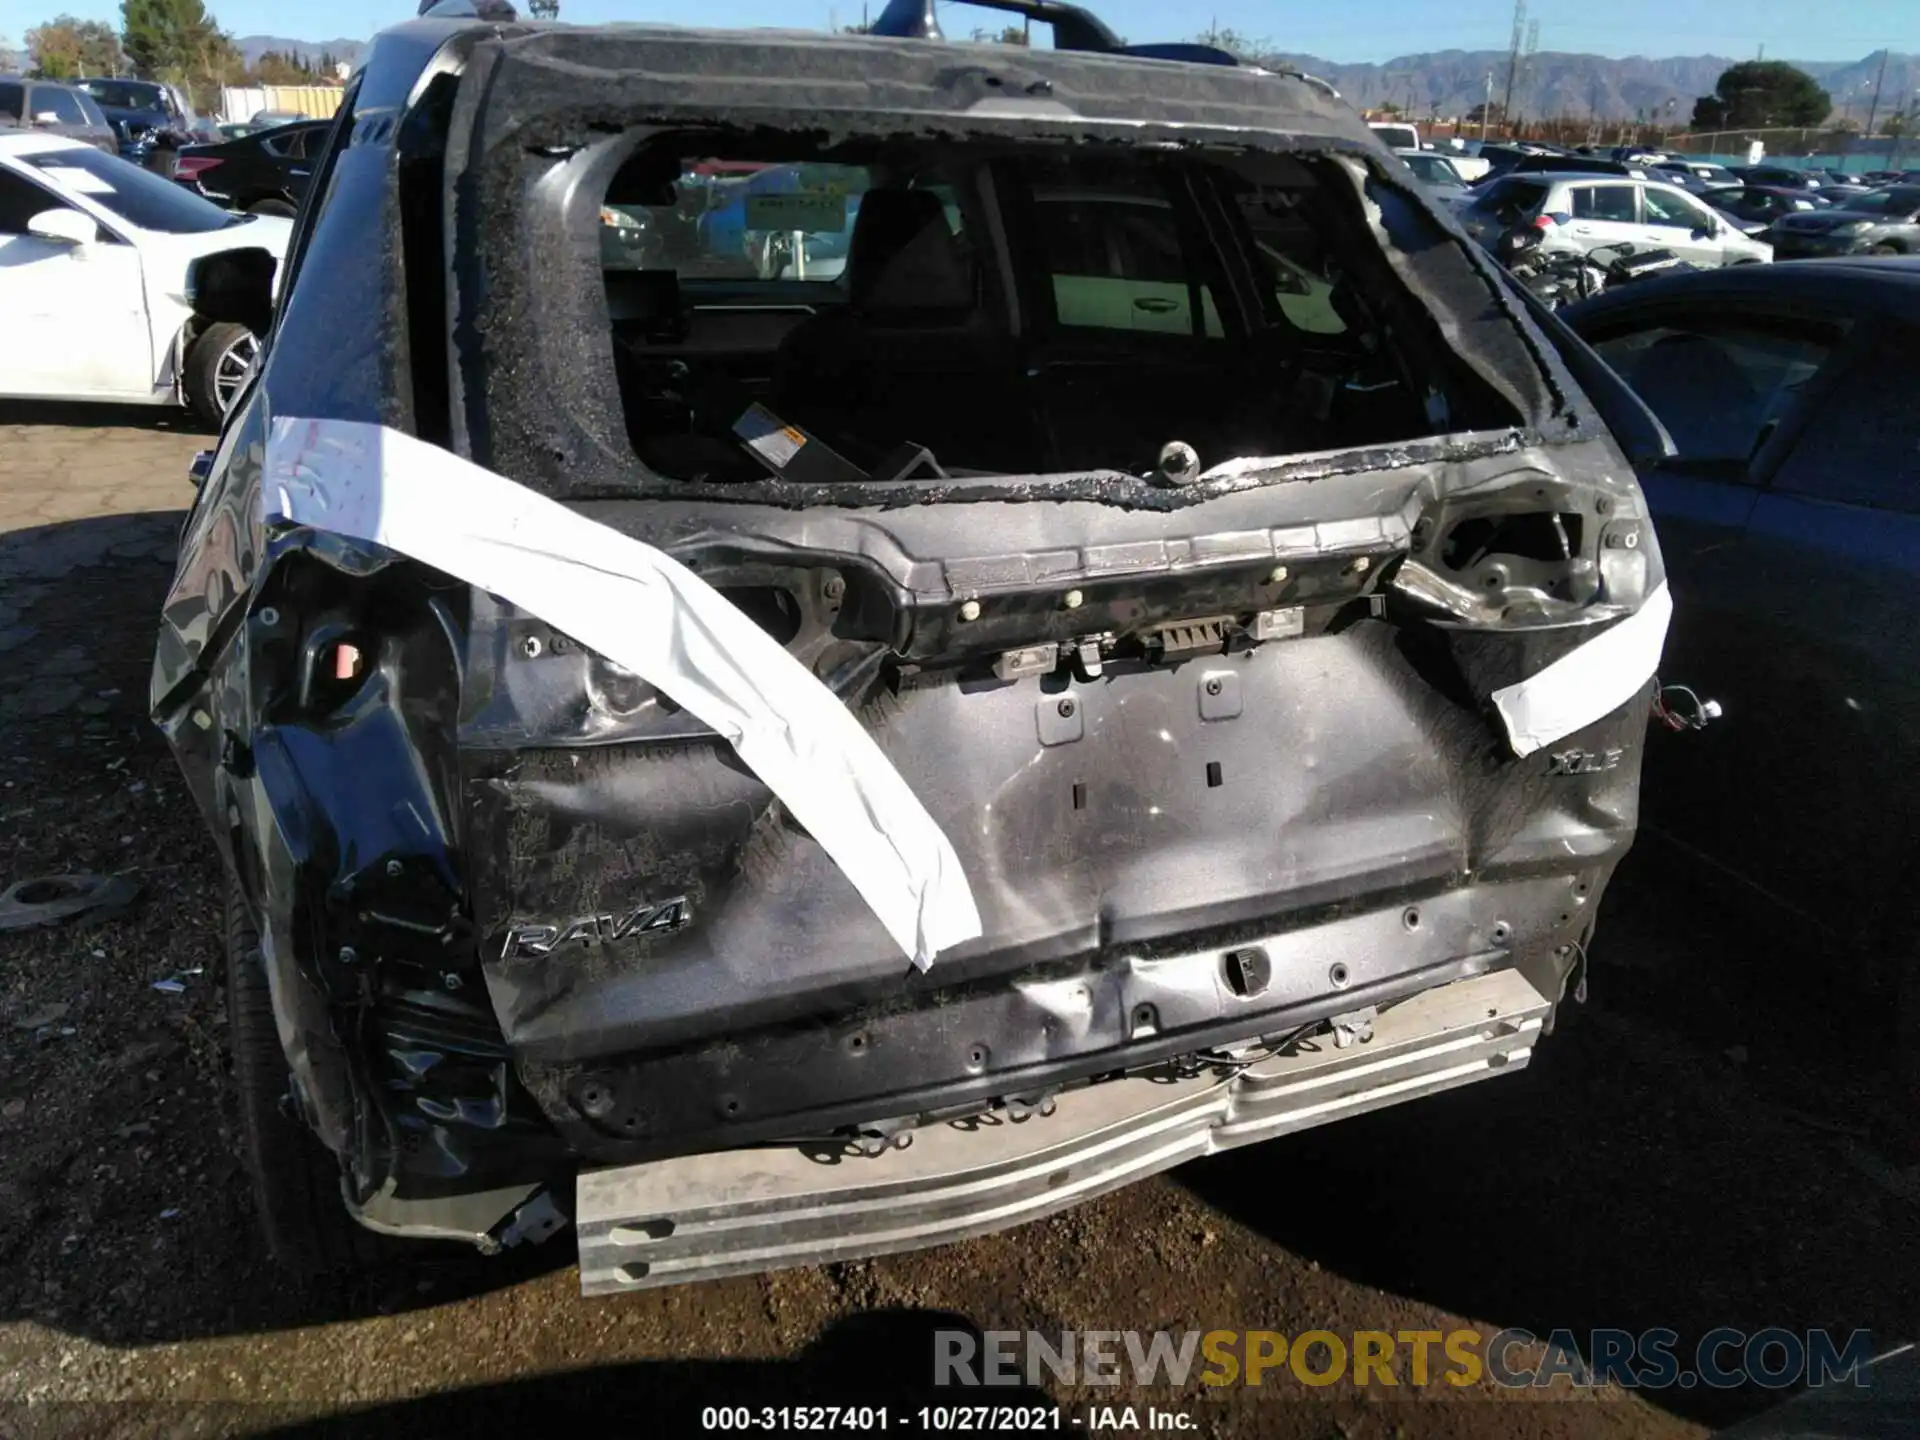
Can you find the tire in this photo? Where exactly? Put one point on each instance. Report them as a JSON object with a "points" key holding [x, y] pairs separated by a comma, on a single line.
{"points": [[296, 1180], [214, 367], [282, 208], [1884, 248]]}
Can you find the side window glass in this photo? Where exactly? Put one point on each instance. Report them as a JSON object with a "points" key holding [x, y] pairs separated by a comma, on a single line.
{"points": [[1719, 391], [1863, 447], [20, 201], [1603, 202], [1117, 264], [1673, 211], [12, 98]]}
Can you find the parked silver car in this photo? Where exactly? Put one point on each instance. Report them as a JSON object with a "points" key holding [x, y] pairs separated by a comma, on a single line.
{"points": [[1579, 213]]}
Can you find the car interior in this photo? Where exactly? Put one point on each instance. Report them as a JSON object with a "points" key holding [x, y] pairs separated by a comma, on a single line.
{"points": [[915, 312]]}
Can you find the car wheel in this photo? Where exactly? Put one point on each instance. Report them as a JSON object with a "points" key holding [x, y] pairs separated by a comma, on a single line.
{"points": [[1884, 248], [296, 1180], [273, 207], [216, 368]]}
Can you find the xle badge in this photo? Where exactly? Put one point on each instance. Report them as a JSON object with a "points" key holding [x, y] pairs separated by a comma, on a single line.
{"points": [[1583, 762], [524, 941]]}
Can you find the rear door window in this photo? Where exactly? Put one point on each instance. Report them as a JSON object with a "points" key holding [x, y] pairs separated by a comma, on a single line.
{"points": [[12, 97], [1117, 261], [1604, 202], [1863, 445], [1719, 388]]}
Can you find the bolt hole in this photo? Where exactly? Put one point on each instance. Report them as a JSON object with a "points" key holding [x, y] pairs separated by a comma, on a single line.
{"points": [[857, 1043], [1502, 933], [1338, 977], [1564, 919], [976, 1057], [1411, 919], [1143, 1015], [732, 1107]]}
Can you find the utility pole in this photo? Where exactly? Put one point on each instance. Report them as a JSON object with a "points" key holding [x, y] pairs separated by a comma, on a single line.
{"points": [[1873, 109], [1486, 110], [1513, 51]]}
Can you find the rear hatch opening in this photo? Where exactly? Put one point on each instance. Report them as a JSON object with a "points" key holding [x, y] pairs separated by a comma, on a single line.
{"points": [[893, 310]]}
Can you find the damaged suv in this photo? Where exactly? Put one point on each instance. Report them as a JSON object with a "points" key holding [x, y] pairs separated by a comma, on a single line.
{"points": [[1077, 624]]}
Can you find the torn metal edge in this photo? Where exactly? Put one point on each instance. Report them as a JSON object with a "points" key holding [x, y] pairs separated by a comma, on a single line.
{"points": [[641, 609]]}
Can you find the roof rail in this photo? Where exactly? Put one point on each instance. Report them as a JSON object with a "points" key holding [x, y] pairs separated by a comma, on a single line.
{"points": [[1073, 29]]}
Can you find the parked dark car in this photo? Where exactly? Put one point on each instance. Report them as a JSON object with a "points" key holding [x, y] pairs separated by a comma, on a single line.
{"points": [[1755, 207], [1703, 174], [263, 173], [56, 109], [142, 111], [1790, 519], [1785, 176], [677, 735], [1882, 222]]}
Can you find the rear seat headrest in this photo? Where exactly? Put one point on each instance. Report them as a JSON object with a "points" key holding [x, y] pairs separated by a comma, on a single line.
{"points": [[903, 257]]}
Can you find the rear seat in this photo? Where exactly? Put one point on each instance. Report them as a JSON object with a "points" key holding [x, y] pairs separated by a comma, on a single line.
{"points": [[912, 356]]}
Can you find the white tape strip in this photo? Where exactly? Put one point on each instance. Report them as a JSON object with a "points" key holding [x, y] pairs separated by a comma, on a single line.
{"points": [[1590, 682], [640, 608]]}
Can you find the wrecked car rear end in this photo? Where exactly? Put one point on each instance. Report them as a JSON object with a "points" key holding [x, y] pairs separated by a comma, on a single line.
{"points": [[1256, 613]]}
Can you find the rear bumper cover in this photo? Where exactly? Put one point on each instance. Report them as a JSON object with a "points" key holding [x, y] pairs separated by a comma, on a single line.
{"points": [[700, 1217]]}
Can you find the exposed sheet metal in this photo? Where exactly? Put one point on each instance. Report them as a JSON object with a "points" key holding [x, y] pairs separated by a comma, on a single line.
{"points": [[1588, 683], [640, 609]]}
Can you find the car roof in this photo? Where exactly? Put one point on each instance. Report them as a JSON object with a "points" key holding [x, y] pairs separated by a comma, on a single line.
{"points": [[37, 142], [1877, 284]]}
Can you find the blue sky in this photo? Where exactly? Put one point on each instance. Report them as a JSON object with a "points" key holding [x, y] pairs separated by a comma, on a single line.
{"points": [[1343, 30]]}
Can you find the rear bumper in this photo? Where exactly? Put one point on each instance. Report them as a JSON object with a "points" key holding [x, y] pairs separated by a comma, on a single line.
{"points": [[700, 1217]]}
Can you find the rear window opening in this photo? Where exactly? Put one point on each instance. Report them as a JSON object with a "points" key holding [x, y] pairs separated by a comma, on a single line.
{"points": [[908, 312]]}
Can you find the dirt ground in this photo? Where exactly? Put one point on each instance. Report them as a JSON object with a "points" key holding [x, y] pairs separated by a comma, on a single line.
{"points": [[1709, 1141]]}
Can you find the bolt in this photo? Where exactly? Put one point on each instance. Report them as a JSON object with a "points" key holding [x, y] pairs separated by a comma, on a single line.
{"points": [[970, 610], [452, 982], [394, 869], [835, 587], [348, 955], [1360, 565], [1073, 600], [1213, 687], [1278, 576], [269, 616], [530, 647], [1066, 709]]}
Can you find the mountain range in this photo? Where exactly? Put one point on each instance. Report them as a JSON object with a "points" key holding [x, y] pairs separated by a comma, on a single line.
{"points": [[1451, 82], [252, 47]]}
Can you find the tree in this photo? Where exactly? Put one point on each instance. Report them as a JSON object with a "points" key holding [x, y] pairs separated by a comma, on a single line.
{"points": [[1485, 114], [1012, 35], [163, 36], [275, 68], [65, 47], [1758, 93], [545, 9], [1244, 47]]}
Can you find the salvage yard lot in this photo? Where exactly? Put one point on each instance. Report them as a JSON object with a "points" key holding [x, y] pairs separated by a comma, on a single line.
{"points": [[1703, 1144]]}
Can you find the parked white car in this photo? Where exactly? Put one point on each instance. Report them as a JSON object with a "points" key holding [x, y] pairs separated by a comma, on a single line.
{"points": [[94, 259], [1577, 213]]}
